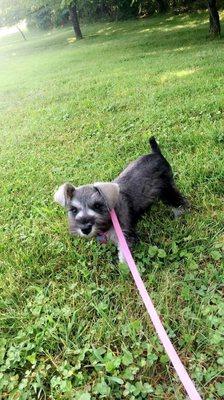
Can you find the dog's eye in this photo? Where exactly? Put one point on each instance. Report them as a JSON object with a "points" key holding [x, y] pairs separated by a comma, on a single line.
{"points": [[97, 206], [74, 210]]}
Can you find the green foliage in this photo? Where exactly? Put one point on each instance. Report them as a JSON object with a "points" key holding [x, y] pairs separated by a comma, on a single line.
{"points": [[12, 11], [42, 19], [45, 14], [72, 323]]}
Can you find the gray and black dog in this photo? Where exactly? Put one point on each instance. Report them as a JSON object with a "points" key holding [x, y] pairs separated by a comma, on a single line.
{"points": [[142, 183]]}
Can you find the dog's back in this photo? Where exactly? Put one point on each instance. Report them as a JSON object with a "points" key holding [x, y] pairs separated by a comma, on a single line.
{"points": [[143, 180]]}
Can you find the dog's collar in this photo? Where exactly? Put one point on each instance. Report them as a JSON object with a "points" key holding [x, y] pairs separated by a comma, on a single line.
{"points": [[102, 237]]}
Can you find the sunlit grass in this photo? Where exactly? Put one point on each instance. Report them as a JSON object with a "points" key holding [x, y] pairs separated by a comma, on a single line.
{"points": [[177, 74]]}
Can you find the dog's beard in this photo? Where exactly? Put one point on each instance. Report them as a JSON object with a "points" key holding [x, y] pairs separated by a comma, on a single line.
{"points": [[101, 224], [96, 229], [78, 232]]}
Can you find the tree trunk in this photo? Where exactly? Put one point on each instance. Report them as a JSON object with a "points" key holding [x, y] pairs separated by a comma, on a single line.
{"points": [[75, 21], [215, 28], [24, 37], [162, 6]]}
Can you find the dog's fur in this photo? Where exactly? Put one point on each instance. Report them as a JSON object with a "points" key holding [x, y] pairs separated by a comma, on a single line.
{"points": [[142, 183]]}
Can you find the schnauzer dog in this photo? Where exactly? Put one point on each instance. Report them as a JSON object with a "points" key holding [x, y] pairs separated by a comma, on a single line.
{"points": [[142, 183]]}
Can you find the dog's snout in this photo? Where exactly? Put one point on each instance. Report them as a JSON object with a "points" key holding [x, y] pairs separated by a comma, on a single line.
{"points": [[86, 228], [84, 220]]}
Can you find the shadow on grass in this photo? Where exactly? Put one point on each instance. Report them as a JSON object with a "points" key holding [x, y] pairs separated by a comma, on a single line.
{"points": [[174, 33]]}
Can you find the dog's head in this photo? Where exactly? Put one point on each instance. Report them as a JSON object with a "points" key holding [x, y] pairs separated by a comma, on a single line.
{"points": [[88, 206]]}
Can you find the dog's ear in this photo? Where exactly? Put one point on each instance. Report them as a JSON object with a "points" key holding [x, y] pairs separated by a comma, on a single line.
{"points": [[110, 192], [64, 194]]}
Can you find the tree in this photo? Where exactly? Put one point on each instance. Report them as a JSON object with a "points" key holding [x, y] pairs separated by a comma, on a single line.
{"points": [[13, 11], [214, 21], [162, 5], [74, 19], [72, 6]]}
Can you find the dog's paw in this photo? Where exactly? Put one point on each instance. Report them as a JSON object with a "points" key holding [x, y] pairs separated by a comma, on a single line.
{"points": [[121, 257], [178, 212]]}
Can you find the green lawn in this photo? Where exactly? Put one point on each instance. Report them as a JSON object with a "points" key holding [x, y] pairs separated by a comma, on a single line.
{"points": [[72, 323]]}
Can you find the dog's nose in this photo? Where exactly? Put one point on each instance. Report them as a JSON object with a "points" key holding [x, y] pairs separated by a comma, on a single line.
{"points": [[86, 229]]}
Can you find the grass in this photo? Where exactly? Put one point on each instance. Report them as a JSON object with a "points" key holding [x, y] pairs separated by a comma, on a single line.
{"points": [[72, 323]]}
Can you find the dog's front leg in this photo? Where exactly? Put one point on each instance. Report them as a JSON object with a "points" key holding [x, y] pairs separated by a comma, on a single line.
{"points": [[130, 238]]}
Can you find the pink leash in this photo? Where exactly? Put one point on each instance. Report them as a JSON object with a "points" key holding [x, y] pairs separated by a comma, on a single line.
{"points": [[170, 350]]}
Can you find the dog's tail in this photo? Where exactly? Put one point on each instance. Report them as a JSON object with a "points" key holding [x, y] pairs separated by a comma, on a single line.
{"points": [[154, 145]]}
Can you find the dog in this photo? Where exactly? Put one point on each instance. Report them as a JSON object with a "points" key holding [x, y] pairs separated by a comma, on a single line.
{"points": [[142, 183]]}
